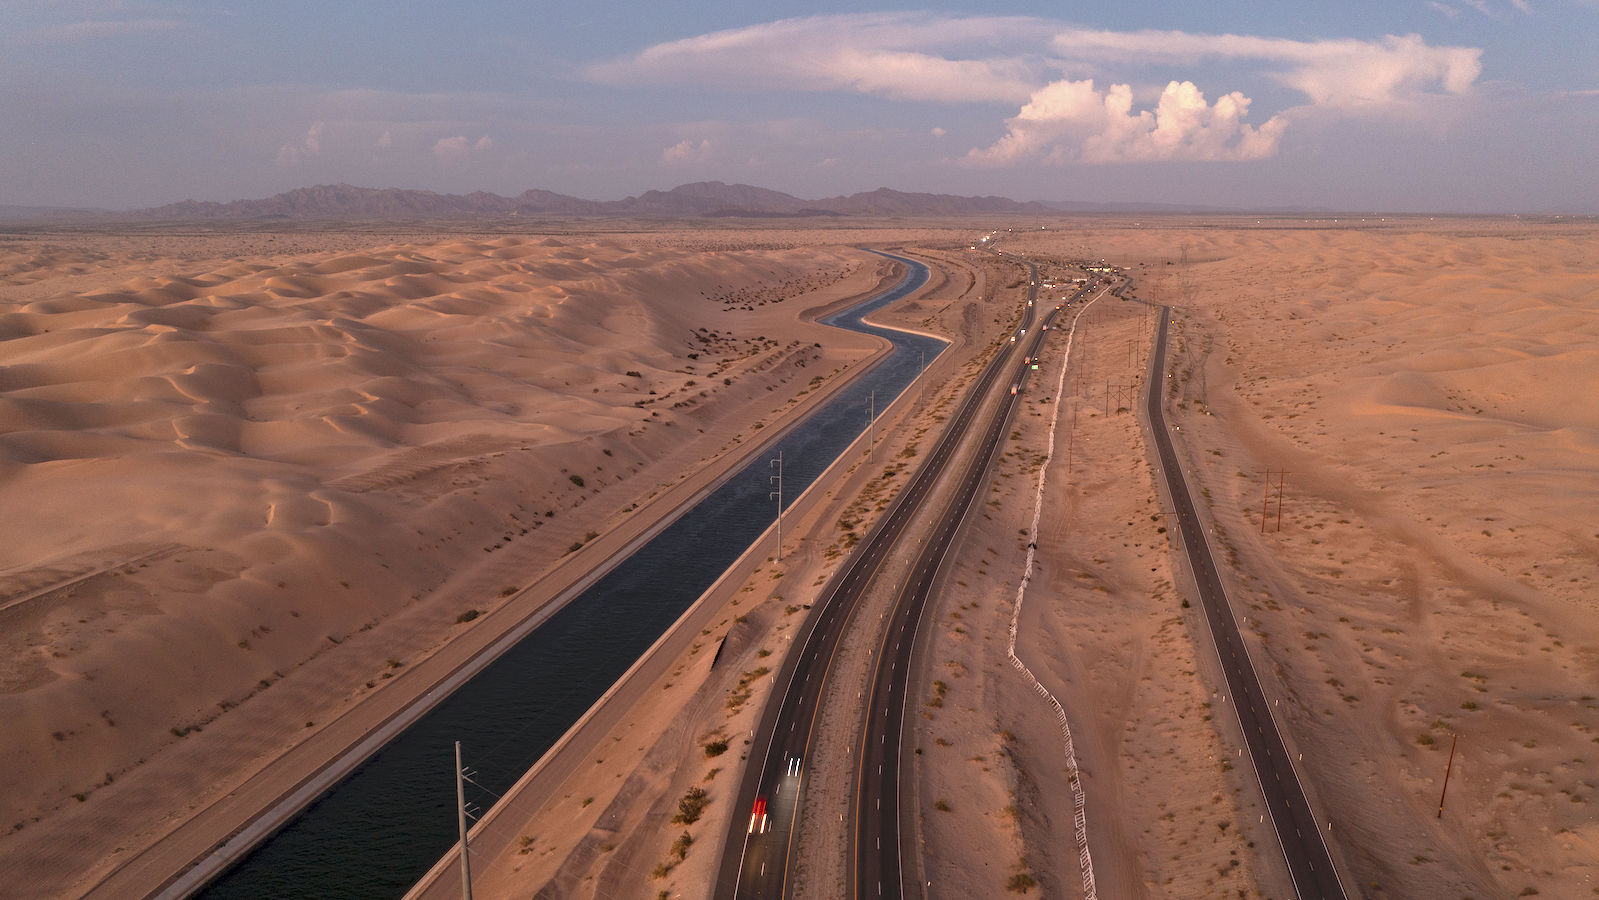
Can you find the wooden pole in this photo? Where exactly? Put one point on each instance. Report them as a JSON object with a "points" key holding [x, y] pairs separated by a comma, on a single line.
{"points": [[1447, 770], [1265, 500], [1282, 477]]}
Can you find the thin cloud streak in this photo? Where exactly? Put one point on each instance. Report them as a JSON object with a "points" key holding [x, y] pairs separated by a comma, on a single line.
{"points": [[886, 54], [79, 32], [1343, 73]]}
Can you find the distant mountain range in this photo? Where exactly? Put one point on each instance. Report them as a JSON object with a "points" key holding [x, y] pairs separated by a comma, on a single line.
{"points": [[705, 198], [702, 199]]}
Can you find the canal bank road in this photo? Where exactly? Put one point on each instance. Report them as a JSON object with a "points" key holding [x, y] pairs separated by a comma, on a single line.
{"points": [[382, 826]]}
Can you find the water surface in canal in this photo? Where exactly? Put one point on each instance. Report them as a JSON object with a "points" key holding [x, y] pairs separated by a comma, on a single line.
{"points": [[378, 831]]}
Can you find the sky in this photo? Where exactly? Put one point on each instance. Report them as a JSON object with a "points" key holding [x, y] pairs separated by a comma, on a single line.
{"points": [[1440, 106]]}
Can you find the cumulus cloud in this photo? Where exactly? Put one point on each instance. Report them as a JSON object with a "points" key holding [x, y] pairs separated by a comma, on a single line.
{"points": [[1074, 121], [686, 152], [292, 152], [453, 149], [1041, 66], [893, 55], [387, 140], [1071, 120]]}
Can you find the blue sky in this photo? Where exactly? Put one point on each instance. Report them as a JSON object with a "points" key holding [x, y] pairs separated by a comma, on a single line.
{"points": [[1426, 106]]}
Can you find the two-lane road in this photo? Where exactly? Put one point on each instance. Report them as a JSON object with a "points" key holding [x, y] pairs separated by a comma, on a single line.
{"points": [[1300, 834]]}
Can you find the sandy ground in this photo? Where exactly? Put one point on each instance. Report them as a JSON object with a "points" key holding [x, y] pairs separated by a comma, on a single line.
{"points": [[1424, 386], [1422, 383], [276, 480], [1102, 629]]}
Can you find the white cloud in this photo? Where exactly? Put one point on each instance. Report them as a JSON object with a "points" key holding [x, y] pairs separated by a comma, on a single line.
{"points": [[387, 140], [1449, 11], [453, 149], [1344, 73], [1073, 121], [291, 153], [887, 54], [1042, 66], [1522, 5], [937, 132], [686, 152]]}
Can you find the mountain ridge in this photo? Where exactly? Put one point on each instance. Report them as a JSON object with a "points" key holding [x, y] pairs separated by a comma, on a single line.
{"points": [[703, 199]]}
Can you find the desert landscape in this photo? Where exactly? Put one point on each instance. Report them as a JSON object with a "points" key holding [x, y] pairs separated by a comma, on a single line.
{"points": [[250, 477]]}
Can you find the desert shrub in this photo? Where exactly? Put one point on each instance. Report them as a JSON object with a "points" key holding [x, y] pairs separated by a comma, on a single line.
{"points": [[1020, 883], [691, 806]]}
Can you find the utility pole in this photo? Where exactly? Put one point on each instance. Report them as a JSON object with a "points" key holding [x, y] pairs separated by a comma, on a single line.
{"points": [[778, 494], [460, 813], [1265, 499], [1071, 437], [1281, 478]]}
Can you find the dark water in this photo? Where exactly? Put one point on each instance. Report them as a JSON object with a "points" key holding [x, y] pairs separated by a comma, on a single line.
{"points": [[374, 834]]}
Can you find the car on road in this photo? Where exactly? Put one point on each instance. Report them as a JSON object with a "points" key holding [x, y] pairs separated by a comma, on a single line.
{"points": [[758, 816]]}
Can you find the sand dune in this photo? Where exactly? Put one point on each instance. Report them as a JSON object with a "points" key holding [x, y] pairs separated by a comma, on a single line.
{"points": [[213, 467]]}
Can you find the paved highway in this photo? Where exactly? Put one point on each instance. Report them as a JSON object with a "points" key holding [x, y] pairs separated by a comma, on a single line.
{"points": [[759, 848], [879, 804], [1300, 834]]}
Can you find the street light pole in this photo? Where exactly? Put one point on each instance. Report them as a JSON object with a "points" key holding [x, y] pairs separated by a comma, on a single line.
{"points": [[460, 812]]}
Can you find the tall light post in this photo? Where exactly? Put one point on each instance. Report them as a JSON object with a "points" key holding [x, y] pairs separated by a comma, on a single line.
{"points": [[460, 813]]}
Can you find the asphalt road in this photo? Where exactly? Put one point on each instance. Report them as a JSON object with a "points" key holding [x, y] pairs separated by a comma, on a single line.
{"points": [[758, 852], [879, 804], [1300, 834]]}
